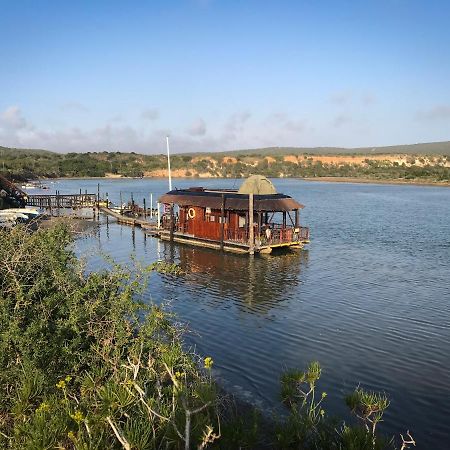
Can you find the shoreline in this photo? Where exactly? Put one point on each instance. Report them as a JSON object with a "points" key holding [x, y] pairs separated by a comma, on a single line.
{"points": [[378, 181], [322, 179]]}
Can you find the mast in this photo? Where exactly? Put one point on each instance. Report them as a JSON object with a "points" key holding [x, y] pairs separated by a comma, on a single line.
{"points": [[168, 163]]}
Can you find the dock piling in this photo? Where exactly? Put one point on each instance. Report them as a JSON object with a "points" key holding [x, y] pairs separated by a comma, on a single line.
{"points": [[158, 215], [250, 224]]}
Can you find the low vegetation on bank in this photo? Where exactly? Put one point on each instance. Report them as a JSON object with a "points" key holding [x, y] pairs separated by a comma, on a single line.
{"points": [[84, 364], [29, 164]]}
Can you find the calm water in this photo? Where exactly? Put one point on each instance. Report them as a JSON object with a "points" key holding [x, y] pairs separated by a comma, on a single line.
{"points": [[369, 299]]}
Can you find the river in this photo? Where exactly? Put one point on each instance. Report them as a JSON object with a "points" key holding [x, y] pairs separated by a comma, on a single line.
{"points": [[369, 298]]}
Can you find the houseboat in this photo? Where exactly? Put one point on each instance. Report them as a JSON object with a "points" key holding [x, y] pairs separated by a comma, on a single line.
{"points": [[253, 219]]}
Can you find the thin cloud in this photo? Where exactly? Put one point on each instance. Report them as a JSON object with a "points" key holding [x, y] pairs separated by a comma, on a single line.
{"points": [[368, 99], [198, 128], [438, 112], [341, 97], [239, 130], [115, 119], [150, 114], [341, 120], [74, 107], [234, 125], [12, 119], [296, 125], [283, 121]]}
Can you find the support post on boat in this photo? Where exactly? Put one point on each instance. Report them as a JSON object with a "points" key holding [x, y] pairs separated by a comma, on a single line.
{"points": [[222, 222], [172, 224], [251, 242]]}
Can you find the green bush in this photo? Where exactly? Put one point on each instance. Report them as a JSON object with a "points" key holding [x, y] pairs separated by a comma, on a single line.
{"points": [[83, 364]]}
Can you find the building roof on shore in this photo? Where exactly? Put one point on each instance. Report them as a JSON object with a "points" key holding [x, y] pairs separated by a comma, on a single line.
{"points": [[233, 200]]}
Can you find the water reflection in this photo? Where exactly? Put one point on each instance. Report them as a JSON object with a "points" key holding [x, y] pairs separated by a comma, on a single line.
{"points": [[255, 284], [370, 300]]}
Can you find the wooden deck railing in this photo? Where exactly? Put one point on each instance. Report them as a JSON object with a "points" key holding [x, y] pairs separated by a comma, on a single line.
{"points": [[284, 235], [277, 235], [240, 235]]}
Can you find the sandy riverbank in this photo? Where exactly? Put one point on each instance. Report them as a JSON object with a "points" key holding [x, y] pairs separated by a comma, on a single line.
{"points": [[324, 179], [378, 181]]}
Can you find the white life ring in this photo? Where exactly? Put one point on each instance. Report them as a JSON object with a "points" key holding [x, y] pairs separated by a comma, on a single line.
{"points": [[191, 213]]}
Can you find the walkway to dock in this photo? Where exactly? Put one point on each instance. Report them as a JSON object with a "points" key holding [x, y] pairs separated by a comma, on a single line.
{"points": [[128, 220], [55, 201]]}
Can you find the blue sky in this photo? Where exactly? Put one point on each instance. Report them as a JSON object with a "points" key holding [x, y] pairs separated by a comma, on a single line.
{"points": [[221, 75]]}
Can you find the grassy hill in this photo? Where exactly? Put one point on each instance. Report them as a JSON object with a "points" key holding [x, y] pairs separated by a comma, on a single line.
{"points": [[8, 151], [420, 162], [431, 148]]}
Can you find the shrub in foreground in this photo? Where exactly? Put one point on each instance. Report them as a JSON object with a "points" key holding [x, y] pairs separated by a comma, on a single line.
{"points": [[85, 365]]}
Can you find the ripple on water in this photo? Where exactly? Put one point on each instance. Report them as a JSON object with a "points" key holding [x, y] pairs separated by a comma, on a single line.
{"points": [[370, 300]]}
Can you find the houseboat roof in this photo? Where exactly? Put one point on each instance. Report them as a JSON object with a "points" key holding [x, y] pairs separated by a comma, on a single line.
{"points": [[206, 198], [257, 184]]}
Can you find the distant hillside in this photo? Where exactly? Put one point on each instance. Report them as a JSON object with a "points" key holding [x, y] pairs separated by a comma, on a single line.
{"points": [[6, 151], [431, 148], [419, 162]]}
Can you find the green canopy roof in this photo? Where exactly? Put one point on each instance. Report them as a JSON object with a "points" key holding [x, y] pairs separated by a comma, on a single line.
{"points": [[258, 185]]}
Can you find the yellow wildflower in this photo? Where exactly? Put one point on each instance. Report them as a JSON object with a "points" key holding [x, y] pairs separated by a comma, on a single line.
{"points": [[61, 384], [208, 362], [67, 379], [324, 394], [43, 407], [78, 416], [71, 435]]}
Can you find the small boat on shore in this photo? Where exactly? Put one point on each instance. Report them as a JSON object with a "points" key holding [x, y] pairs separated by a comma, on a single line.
{"points": [[28, 186], [13, 216], [34, 185], [123, 210]]}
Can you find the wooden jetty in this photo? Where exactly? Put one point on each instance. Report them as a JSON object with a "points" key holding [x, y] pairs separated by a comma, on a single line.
{"points": [[149, 227], [55, 201]]}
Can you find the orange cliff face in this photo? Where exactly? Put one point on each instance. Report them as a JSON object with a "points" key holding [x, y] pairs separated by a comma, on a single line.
{"points": [[177, 173], [216, 165], [361, 160]]}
